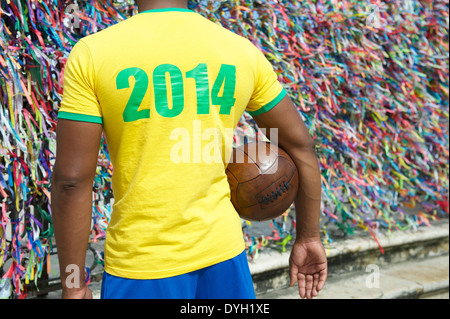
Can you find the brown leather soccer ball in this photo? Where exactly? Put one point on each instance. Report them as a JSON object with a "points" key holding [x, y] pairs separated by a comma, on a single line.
{"points": [[263, 181]]}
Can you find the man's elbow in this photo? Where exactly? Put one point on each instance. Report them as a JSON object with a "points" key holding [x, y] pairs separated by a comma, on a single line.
{"points": [[299, 144], [306, 144], [70, 182]]}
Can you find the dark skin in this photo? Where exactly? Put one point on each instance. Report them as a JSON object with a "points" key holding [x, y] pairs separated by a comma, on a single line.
{"points": [[73, 175], [78, 145], [308, 261]]}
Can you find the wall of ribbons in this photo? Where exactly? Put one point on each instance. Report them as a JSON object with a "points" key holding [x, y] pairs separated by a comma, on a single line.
{"points": [[370, 79]]}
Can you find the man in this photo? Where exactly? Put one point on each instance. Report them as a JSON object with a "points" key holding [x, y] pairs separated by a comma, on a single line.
{"points": [[173, 232]]}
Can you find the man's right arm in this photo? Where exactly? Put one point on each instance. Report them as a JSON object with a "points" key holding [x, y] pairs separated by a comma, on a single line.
{"points": [[77, 150]]}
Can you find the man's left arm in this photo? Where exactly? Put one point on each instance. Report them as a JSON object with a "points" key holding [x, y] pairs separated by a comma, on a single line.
{"points": [[73, 175], [308, 260]]}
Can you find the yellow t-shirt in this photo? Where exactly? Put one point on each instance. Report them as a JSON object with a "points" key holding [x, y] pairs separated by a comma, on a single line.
{"points": [[169, 88]]}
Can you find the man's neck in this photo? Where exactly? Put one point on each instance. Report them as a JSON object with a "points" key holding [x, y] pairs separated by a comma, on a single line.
{"points": [[161, 4]]}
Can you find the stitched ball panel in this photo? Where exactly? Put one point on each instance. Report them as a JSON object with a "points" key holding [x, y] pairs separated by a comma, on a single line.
{"points": [[263, 181]]}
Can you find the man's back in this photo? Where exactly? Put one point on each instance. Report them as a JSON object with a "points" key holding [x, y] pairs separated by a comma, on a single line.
{"points": [[169, 88]]}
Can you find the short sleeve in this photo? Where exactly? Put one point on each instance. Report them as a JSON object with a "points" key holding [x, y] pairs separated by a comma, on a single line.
{"points": [[268, 91], [79, 102]]}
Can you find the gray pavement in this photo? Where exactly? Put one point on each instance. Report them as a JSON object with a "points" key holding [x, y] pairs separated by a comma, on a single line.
{"points": [[427, 278]]}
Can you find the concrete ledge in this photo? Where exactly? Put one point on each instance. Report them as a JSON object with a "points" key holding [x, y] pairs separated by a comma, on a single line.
{"points": [[270, 270], [411, 267], [271, 259], [408, 280]]}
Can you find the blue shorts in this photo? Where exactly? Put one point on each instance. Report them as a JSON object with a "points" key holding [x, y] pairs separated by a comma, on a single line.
{"points": [[230, 279]]}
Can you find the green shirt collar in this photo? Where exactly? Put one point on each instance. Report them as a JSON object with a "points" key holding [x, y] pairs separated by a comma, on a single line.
{"points": [[167, 10]]}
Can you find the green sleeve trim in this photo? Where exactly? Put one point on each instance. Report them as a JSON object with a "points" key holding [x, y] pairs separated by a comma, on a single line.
{"points": [[80, 117], [270, 105]]}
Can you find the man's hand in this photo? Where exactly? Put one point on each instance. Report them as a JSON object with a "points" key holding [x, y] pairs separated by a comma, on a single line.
{"points": [[308, 267], [83, 292]]}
